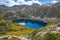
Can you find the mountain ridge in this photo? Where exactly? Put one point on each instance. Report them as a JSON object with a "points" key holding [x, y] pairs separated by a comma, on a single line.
{"points": [[36, 10]]}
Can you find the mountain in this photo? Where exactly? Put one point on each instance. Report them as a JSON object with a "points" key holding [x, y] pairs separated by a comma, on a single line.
{"points": [[34, 11], [28, 11]]}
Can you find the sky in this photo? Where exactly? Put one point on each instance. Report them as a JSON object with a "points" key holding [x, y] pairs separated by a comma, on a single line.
{"points": [[26, 2]]}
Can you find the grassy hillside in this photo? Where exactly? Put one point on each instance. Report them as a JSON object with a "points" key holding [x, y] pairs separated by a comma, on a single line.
{"points": [[15, 29]]}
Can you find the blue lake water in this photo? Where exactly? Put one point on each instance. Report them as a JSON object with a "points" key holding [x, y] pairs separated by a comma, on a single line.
{"points": [[36, 24]]}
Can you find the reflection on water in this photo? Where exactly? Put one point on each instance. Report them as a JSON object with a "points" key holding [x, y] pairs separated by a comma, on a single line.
{"points": [[23, 23]]}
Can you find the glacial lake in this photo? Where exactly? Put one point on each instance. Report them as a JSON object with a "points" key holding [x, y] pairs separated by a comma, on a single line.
{"points": [[36, 24]]}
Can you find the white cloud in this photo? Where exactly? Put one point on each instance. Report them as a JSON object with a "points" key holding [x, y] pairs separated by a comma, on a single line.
{"points": [[2, 2], [33, 1], [29, 3], [36, 1], [11, 2], [54, 1], [19, 2]]}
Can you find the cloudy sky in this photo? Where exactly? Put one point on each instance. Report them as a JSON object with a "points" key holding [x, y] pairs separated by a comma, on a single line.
{"points": [[26, 2]]}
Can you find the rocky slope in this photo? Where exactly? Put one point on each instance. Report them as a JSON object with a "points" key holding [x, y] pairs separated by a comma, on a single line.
{"points": [[35, 10]]}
